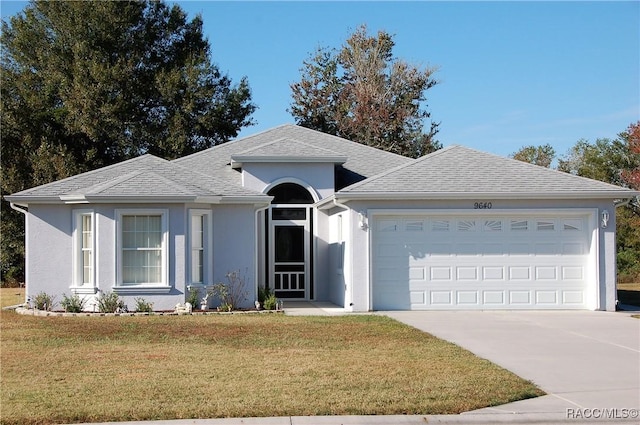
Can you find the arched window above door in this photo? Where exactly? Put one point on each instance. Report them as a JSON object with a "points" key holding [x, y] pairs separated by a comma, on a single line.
{"points": [[290, 193]]}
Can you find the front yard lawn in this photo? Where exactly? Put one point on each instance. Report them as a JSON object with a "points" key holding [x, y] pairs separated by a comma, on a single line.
{"points": [[95, 369]]}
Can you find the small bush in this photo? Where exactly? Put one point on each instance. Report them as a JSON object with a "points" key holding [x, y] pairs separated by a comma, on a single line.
{"points": [[142, 306], [263, 294], [232, 293], [72, 304], [271, 302], [194, 297], [110, 302], [44, 301]]}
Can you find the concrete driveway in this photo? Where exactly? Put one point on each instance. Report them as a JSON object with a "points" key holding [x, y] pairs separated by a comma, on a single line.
{"points": [[584, 360]]}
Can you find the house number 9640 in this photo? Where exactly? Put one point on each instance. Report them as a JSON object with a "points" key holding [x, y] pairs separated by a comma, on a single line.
{"points": [[482, 205]]}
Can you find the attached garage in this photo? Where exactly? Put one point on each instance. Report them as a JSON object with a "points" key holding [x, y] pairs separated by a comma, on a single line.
{"points": [[500, 260], [460, 229]]}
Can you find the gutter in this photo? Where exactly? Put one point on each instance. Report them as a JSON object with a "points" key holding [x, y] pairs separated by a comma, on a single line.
{"points": [[475, 195]]}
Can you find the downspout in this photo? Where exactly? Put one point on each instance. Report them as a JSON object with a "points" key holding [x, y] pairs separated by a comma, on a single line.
{"points": [[17, 208], [25, 212], [257, 250], [348, 302]]}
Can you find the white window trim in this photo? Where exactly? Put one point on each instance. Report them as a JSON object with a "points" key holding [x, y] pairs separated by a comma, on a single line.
{"points": [[159, 287], [208, 247], [77, 285]]}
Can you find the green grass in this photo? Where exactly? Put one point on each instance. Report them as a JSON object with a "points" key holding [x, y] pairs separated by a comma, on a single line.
{"points": [[11, 296], [95, 369]]}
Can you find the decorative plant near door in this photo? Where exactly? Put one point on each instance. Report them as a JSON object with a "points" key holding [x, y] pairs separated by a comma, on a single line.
{"points": [[267, 299], [232, 293]]}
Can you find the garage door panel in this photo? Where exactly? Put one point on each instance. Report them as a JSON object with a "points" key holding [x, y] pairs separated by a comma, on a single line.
{"points": [[468, 297], [488, 262], [467, 273], [572, 273], [494, 298], [493, 273]]}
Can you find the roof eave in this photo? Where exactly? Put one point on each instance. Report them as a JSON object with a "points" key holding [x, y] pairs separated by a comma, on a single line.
{"points": [[251, 199], [622, 194], [238, 160]]}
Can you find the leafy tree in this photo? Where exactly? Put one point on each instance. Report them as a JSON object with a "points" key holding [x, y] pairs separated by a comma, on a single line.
{"points": [[603, 160], [88, 84], [363, 93], [542, 155], [613, 161], [632, 138]]}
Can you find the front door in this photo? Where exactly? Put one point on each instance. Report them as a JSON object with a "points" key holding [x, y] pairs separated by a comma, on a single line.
{"points": [[289, 243]]}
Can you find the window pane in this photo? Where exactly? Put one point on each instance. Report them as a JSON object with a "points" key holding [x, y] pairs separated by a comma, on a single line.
{"points": [[289, 244], [142, 249], [290, 193], [197, 269], [128, 223], [289, 214], [86, 223], [86, 267], [197, 231], [153, 266], [153, 239]]}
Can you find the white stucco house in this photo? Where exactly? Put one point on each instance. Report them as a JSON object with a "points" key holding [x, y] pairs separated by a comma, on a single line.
{"points": [[316, 217]]}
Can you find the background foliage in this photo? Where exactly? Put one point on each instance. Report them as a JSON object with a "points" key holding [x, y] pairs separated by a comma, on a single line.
{"points": [[615, 161], [88, 84], [363, 93]]}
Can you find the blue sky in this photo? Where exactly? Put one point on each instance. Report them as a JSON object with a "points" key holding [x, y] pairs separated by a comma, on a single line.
{"points": [[511, 73]]}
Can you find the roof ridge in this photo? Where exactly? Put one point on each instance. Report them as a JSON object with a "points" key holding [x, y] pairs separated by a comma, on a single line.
{"points": [[95, 171], [208, 150], [99, 187]]}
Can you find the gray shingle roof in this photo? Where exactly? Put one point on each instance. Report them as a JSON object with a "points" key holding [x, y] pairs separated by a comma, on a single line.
{"points": [[457, 171], [143, 177], [362, 161], [287, 150], [453, 172]]}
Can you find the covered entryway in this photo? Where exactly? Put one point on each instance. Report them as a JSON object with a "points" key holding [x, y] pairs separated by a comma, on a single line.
{"points": [[484, 260], [289, 242]]}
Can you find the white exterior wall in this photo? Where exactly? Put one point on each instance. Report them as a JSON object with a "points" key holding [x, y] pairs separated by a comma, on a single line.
{"points": [[260, 176], [357, 272], [49, 265], [234, 245]]}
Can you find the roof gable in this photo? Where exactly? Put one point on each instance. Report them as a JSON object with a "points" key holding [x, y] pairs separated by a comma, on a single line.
{"points": [[361, 161], [460, 172], [286, 150]]}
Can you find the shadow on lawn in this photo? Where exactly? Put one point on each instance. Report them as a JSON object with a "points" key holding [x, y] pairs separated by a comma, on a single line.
{"points": [[629, 297]]}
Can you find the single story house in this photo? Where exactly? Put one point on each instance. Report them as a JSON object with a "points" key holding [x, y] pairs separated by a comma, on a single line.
{"points": [[317, 217]]}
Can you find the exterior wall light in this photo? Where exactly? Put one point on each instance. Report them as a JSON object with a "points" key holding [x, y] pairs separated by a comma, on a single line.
{"points": [[605, 219], [362, 220]]}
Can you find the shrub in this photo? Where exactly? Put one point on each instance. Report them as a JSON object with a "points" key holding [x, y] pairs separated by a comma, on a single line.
{"points": [[232, 293], [142, 306], [44, 301], [72, 304], [271, 302], [109, 302], [194, 297], [263, 294]]}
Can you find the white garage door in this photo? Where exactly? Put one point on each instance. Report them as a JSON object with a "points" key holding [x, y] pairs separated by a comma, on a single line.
{"points": [[483, 261]]}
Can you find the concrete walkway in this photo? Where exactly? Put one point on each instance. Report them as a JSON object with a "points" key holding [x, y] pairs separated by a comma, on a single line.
{"points": [[582, 359]]}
